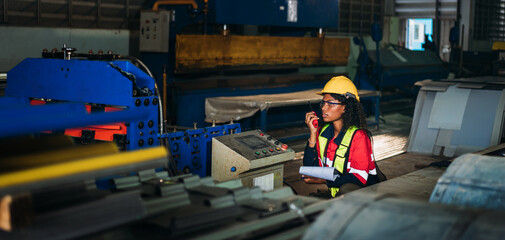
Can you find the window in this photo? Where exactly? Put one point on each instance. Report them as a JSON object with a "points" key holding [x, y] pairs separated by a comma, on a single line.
{"points": [[416, 31], [489, 20]]}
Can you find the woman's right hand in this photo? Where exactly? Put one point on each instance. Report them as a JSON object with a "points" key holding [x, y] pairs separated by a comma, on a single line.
{"points": [[309, 118]]}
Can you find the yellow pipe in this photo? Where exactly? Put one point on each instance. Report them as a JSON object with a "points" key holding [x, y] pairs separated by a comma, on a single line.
{"points": [[81, 166], [174, 2]]}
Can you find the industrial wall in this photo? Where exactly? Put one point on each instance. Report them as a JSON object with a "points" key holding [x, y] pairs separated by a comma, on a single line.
{"points": [[18, 43]]}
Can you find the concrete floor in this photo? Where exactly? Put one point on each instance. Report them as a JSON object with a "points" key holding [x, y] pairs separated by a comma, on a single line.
{"points": [[409, 175]]}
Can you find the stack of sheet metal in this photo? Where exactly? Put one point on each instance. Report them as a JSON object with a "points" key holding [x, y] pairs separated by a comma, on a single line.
{"points": [[48, 190]]}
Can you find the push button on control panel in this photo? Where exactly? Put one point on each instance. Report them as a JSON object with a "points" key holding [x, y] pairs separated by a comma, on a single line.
{"points": [[257, 153], [264, 151]]}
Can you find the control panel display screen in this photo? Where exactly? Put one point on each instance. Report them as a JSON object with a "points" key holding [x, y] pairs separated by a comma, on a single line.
{"points": [[253, 142]]}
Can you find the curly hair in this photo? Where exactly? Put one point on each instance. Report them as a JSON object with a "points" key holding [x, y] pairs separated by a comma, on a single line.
{"points": [[354, 114]]}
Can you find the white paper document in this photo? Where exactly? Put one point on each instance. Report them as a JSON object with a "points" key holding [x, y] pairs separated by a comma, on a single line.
{"points": [[328, 173]]}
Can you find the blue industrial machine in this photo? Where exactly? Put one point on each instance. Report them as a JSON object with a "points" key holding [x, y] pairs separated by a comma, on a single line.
{"points": [[297, 13], [203, 50], [96, 83], [62, 94], [395, 67], [401, 68], [21, 118]]}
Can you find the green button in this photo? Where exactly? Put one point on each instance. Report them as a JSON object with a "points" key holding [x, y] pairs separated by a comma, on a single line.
{"points": [[257, 153], [264, 151]]}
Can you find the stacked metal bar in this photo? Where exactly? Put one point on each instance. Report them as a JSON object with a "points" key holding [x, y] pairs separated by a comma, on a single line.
{"points": [[50, 193], [48, 189]]}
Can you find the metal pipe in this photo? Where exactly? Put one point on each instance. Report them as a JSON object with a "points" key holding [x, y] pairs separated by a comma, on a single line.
{"points": [[461, 50], [437, 31], [205, 12], [164, 91], [174, 2], [70, 13], [98, 13], [38, 11], [6, 12]]}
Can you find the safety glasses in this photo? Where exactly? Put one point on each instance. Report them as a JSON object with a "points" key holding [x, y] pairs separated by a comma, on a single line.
{"points": [[331, 104]]}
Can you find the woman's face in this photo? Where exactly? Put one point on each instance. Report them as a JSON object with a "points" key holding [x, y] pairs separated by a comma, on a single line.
{"points": [[331, 112]]}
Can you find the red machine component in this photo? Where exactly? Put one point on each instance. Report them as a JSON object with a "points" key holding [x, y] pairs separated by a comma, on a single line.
{"points": [[102, 132]]}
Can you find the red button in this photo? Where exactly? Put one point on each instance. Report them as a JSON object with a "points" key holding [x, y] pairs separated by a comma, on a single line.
{"points": [[261, 134], [284, 147], [271, 150]]}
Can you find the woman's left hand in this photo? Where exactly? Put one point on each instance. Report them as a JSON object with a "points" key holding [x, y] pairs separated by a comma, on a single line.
{"points": [[314, 180]]}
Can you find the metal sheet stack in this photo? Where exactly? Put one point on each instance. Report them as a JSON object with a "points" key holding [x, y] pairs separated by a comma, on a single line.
{"points": [[382, 216], [50, 192]]}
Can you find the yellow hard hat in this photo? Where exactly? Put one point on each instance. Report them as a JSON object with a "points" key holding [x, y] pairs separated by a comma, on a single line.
{"points": [[340, 85]]}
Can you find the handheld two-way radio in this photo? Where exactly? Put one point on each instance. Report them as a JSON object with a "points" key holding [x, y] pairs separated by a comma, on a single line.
{"points": [[315, 122]]}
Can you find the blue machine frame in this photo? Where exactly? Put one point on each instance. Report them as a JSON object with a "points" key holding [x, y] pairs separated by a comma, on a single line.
{"points": [[399, 68], [74, 83], [246, 12], [277, 13], [96, 82], [20, 119], [191, 149]]}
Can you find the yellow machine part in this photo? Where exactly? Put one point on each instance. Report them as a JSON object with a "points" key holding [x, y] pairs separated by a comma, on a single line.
{"points": [[11, 147], [83, 165], [211, 51], [498, 46], [56, 156]]}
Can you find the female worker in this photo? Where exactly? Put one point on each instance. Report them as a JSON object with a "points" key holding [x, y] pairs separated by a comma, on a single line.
{"points": [[341, 140]]}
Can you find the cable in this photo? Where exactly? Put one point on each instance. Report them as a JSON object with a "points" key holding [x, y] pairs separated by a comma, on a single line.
{"points": [[172, 167], [161, 125]]}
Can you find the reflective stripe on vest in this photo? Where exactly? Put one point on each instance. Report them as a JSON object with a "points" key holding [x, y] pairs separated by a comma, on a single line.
{"points": [[340, 158]]}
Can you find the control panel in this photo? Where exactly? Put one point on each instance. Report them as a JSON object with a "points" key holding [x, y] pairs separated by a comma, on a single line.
{"points": [[255, 144], [154, 30], [246, 151]]}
